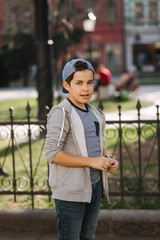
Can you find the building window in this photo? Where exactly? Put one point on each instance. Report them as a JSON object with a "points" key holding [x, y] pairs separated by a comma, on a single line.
{"points": [[143, 57], [139, 12], [26, 19], [114, 57], [112, 7], [153, 12]]}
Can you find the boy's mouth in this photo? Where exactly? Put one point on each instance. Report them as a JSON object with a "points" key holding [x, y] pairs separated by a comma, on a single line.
{"points": [[85, 95]]}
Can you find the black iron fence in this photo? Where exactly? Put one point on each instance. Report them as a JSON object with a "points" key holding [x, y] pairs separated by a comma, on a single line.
{"points": [[136, 144]]}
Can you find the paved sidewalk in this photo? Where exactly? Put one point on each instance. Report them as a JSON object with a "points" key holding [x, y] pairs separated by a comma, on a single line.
{"points": [[41, 224], [145, 92], [14, 93], [149, 94], [33, 236], [26, 236]]}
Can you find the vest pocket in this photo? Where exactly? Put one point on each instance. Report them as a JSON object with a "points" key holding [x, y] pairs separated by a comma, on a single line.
{"points": [[75, 179], [71, 179]]}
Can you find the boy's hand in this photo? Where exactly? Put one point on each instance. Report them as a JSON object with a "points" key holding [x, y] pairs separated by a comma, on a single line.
{"points": [[113, 167], [101, 163]]}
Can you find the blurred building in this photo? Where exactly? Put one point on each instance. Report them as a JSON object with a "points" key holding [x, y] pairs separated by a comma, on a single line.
{"points": [[142, 36], [105, 43], [126, 35], [107, 39], [17, 15]]}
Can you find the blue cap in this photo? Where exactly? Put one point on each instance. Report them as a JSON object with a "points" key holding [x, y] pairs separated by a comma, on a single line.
{"points": [[70, 68]]}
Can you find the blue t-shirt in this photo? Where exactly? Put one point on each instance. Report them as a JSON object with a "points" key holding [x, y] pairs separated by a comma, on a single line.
{"points": [[91, 129]]}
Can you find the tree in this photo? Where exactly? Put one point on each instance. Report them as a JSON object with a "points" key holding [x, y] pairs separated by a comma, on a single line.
{"points": [[65, 39], [44, 72], [18, 54]]}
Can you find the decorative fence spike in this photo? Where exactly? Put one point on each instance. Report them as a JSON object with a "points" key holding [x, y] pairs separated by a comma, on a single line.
{"points": [[119, 111], [100, 105], [157, 106], [28, 109], [11, 112], [138, 106]]}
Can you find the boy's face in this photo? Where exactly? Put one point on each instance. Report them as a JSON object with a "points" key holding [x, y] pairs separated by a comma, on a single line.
{"points": [[81, 87]]}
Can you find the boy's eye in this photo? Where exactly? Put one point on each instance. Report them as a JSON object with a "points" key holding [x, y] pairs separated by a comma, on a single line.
{"points": [[79, 83]]}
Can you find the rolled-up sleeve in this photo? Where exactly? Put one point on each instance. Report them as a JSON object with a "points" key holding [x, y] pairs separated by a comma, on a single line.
{"points": [[53, 137]]}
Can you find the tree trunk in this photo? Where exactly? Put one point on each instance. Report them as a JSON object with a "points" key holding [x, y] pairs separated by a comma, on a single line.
{"points": [[44, 71], [25, 77]]}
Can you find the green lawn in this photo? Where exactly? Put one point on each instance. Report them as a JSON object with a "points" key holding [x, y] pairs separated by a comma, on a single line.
{"points": [[20, 113], [19, 109]]}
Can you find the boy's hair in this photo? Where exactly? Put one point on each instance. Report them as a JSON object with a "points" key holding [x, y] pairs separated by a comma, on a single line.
{"points": [[73, 66]]}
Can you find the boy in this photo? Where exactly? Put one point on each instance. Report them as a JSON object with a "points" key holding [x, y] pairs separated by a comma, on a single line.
{"points": [[74, 150]]}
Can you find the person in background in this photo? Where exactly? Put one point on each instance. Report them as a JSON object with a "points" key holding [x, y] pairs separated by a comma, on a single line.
{"points": [[102, 76]]}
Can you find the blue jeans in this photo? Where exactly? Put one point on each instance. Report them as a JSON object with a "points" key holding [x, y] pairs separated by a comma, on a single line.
{"points": [[78, 220]]}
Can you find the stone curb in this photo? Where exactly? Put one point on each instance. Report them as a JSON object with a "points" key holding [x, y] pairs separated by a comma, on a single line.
{"points": [[131, 223], [140, 223]]}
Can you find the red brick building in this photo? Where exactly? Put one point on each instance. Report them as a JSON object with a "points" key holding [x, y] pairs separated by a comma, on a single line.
{"points": [[106, 41]]}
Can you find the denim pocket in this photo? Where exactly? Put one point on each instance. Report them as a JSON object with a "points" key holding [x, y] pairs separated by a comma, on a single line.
{"points": [[97, 191]]}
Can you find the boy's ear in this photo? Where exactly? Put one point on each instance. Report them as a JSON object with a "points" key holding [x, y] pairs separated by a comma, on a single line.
{"points": [[66, 85]]}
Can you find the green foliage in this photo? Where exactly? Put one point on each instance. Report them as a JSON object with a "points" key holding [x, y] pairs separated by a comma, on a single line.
{"points": [[3, 72], [76, 36], [19, 51], [16, 55], [64, 39]]}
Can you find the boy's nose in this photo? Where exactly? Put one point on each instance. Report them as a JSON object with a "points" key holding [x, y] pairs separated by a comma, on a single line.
{"points": [[85, 87]]}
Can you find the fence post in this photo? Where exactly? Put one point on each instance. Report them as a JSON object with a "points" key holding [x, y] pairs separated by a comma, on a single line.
{"points": [[49, 195], [13, 156], [100, 105], [120, 154], [158, 142], [28, 109], [138, 106]]}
